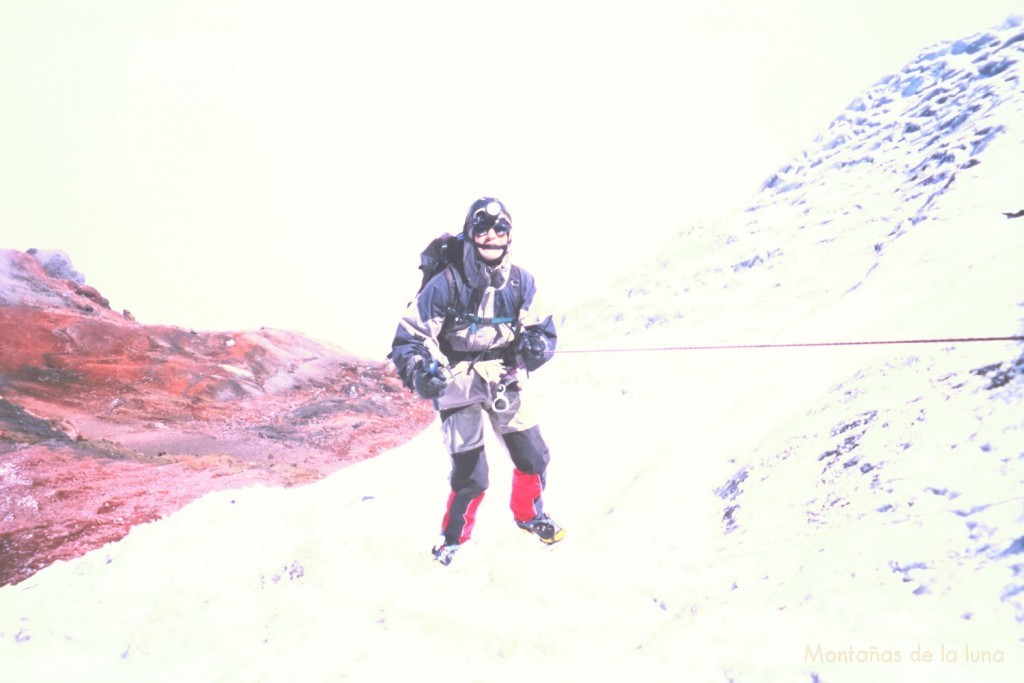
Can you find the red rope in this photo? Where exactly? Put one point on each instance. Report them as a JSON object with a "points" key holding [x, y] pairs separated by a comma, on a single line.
{"points": [[796, 345]]}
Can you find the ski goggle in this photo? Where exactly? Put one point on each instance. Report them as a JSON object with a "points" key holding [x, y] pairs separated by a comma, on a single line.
{"points": [[491, 215], [483, 225]]}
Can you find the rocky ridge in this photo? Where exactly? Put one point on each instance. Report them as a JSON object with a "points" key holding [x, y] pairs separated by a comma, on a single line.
{"points": [[106, 423]]}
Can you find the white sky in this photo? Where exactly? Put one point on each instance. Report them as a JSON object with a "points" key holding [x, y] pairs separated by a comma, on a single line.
{"points": [[227, 165]]}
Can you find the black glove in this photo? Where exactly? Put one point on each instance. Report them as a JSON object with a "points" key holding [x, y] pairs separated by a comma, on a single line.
{"points": [[532, 350], [426, 380]]}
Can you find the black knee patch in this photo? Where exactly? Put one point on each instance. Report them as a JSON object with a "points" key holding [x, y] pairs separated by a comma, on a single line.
{"points": [[528, 450], [469, 472]]}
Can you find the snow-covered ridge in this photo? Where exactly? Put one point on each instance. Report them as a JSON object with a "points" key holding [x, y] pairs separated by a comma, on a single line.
{"points": [[878, 171], [896, 467], [908, 137]]}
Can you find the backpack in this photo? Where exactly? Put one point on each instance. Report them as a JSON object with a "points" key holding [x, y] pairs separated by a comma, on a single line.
{"points": [[442, 252]]}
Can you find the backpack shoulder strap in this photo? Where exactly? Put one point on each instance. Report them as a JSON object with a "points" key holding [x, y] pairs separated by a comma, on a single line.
{"points": [[451, 313], [515, 276], [453, 284]]}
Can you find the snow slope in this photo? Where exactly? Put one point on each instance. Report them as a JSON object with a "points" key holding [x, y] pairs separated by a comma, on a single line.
{"points": [[803, 514]]}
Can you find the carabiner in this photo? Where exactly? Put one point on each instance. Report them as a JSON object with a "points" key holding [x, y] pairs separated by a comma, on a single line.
{"points": [[500, 402]]}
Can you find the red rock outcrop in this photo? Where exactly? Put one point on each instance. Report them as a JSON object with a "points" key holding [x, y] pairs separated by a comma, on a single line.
{"points": [[106, 423]]}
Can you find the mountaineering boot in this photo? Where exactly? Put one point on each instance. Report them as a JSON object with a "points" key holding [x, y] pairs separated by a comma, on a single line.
{"points": [[545, 528], [444, 553]]}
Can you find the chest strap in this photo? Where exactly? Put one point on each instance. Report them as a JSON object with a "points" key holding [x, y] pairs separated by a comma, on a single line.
{"points": [[476, 320]]}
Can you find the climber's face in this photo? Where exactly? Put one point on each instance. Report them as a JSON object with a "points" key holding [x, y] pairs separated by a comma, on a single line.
{"points": [[491, 242]]}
